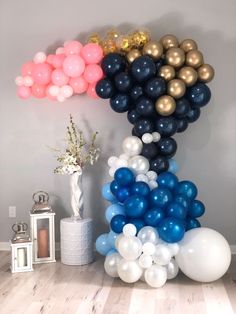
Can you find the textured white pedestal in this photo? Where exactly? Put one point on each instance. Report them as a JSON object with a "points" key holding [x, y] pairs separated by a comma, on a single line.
{"points": [[76, 241]]}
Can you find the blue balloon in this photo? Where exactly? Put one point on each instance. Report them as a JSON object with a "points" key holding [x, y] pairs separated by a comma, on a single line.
{"points": [[143, 68], [105, 88], [173, 166], [176, 210], [160, 197], [140, 188], [102, 244], [199, 94], [192, 223], [143, 126], [120, 102], [112, 251], [167, 180], [113, 63], [123, 82], [183, 200], [135, 206], [113, 210], [107, 194], [118, 222], [111, 238], [124, 176], [197, 209], [139, 223], [114, 187], [122, 194], [187, 188], [155, 87], [154, 216], [171, 230]]}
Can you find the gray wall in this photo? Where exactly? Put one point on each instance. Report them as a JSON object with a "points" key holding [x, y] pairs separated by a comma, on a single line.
{"points": [[207, 151]]}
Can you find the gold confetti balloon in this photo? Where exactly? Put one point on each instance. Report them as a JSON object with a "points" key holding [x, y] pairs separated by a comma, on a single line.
{"points": [[175, 57], [153, 49], [205, 73], [169, 41], [188, 45], [95, 39], [176, 88], [123, 43], [109, 46], [194, 58], [165, 105], [132, 55], [113, 34], [167, 72], [139, 38], [188, 75]]}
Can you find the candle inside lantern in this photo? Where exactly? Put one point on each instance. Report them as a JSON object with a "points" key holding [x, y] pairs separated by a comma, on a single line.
{"points": [[21, 257], [43, 243]]}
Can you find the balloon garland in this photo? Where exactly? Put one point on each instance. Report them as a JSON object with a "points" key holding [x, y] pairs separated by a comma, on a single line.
{"points": [[161, 85]]}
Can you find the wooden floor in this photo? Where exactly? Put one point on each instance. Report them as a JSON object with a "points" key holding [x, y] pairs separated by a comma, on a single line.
{"points": [[56, 288]]}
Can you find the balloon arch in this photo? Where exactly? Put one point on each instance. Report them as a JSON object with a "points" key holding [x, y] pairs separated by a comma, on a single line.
{"points": [[161, 85]]}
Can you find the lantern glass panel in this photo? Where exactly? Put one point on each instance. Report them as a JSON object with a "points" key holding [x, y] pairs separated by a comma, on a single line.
{"points": [[22, 257], [43, 238]]}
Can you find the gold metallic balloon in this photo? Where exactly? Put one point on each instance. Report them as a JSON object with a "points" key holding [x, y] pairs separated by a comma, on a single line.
{"points": [[167, 72], [169, 41], [139, 38], [175, 57], [123, 43], [132, 55], [194, 58], [94, 38], [188, 44], [188, 75], [176, 88], [153, 49], [205, 73], [165, 105]]}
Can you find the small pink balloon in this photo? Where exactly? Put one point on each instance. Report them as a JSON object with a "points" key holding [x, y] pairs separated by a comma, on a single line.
{"points": [[93, 73], [57, 60], [40, 57], [48, 93], [19, 80], [72, 47], [42, 73], [79, 85], [50, 58], [91, 91], [92, 53], [23, 92], [59, 78], [73, 65], [39, 91], [28, 81], [27, 68]]}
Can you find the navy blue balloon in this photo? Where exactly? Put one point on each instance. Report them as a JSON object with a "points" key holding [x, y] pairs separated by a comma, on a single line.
{"points": [[171, 230], [140, 188], [143, 68], [160, 197], [187, 188], [154, 216], [136, 92], [133, 116], [155, 87], [192, 223], [113, 63], [120, 103], [124, 176], [159, 63], [105, 88], [167, 180], [182, 107], [143, 126], [167, 147], [182, 124], [122, 194], [176, 210], [166, 126], [145, 106], [183, 200], [159, 164], [199, 95], [123, 82], [118, 222], [114, 187], [135, 206], [193, 114], [149, 150], [139, 223], [197, 209]]}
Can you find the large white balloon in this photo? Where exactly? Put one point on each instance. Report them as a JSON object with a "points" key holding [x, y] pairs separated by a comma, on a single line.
{"points": [[145, 261], [139, 164], [132, 146], [156, 276], [172, 269], [111, 264], [130, 248], [162, 255], [148, 234], [129, 271], [204, 255]]}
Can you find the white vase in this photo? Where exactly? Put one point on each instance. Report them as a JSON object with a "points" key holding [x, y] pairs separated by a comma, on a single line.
{"points": [[76, 194]]}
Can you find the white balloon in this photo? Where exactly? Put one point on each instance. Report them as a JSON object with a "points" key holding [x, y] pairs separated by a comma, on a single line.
{"points": [[40, 57], [141, 177], [139, 164], [151, 175], [54, 90], [145, 261], [147, 138], [174, 248], [60, 97], [112, 160], [148, 234], [132, 146], [60, 50], [19, 80], [149, 248], [121, 163], [156, 136], [112, 171], [118, 238], [172, 269], [124, 157], [204, 255], [156, 276], [152, 184], [130, 248], [67, 91], [162, 255], [129, 230], [28, 81], [129, 271], [111, 263]]}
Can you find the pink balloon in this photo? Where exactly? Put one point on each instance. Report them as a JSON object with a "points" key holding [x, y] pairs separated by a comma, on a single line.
{"points": [[42, 73], [57, 60], [93, 73], [50, 58], [27, 68], [39, 91], [72, 47], [59, 78], [92, 53], [91, 91], [23, 92], [73, 65], [79, 84]]}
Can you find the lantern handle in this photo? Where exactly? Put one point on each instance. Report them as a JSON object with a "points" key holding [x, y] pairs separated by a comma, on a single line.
{"points": [[42, 197]]}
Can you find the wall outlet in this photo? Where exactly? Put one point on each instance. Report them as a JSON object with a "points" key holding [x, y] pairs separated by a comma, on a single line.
{"points": [[12, 211]]}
